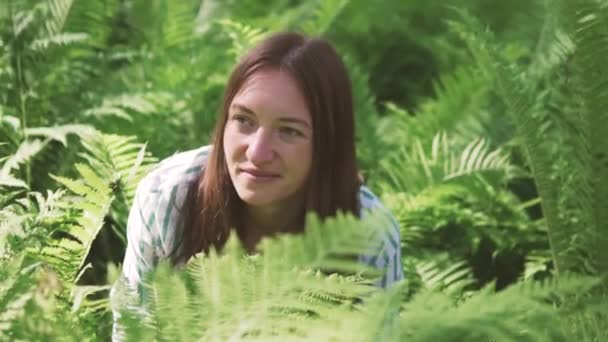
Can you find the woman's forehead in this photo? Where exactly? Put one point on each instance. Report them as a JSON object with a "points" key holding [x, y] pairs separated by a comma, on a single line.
{"points": [[272, 91]]}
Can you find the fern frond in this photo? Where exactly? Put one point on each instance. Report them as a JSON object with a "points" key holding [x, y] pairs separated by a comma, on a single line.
{"points": [[69, 253], [507, 315], [414, 170], [243, 36], [120, 159], [324, 15], [114, 168], [164, 24], [10, 181], [458, 108], [60, 133], [517, 89], [452, 280], [26, 151], [587, 22], [59, 12], [96, 19], [179, 23], [123, 105], [62, 39], [370, 145], [271, 294], [31, 292]]}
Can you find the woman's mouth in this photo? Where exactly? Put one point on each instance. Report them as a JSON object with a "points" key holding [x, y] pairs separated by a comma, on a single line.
{"points": [[260, 176]]}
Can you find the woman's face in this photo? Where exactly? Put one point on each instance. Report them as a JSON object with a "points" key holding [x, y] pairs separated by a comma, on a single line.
{"points": [[268, 139]]}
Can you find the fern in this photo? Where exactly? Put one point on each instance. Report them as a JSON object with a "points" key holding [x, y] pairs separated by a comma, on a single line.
{"points": [[113, 161], [324, 15], [8, 180], [123, 162], [517, 90], [459, 107], [68, 254], [164, 24], [587, 21], [442, 164], [370, 145], [29, 292], [564, 199], [266, 295], [95, 19], [60, 133], [27, 150], [123, 105], [507, 315], [59, 39], [59, 12], [452, 280], [243, 36]]}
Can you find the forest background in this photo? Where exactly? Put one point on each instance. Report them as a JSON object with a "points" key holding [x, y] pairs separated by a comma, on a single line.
{"points": [[481, 124]]}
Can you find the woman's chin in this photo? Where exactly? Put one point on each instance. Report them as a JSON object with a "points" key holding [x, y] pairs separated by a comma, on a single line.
{"points": [[257, 198]]}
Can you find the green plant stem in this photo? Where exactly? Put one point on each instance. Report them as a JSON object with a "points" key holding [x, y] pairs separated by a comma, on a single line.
{"points": [[23, 112], [22, 99]]}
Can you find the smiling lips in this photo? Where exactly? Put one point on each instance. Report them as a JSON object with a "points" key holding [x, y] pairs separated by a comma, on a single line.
{"points": [[257, 175]]}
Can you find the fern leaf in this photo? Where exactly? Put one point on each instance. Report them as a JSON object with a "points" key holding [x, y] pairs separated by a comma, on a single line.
{"points": [[59, 12], [9, 180], [243, 36], [587, 21], [324, 16], [26, 151], [442, 164], [123, 105], [62, 39], [60, 133], [516, 89], [261, 296], [95, 189]]}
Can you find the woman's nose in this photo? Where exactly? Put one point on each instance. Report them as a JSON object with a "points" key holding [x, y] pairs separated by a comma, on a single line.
{"points": [[260, 149]]}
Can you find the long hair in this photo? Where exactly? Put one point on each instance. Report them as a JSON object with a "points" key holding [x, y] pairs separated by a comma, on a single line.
{"points": [[213, 205]]}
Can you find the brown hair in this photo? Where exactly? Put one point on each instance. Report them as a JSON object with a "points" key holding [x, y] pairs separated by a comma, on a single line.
{"points": [[213, 205]]}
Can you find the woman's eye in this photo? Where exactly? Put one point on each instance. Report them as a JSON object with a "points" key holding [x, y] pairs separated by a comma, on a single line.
{"points": [[243, 120], [290, 132]]}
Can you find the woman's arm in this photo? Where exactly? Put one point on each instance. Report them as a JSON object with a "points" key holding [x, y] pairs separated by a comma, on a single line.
{"points": [[388, 256], [141, 254], [154, 225]]}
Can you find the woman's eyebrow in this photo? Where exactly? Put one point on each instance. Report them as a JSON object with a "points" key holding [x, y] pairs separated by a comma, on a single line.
{"points": [[247, 110], [295, 120], [243, 108]]}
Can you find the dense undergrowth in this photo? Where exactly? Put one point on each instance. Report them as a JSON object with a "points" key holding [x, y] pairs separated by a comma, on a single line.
{"points": [[482, 125]]}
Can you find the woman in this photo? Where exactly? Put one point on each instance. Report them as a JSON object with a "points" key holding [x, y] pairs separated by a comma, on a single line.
{"points": [[283, 145]]}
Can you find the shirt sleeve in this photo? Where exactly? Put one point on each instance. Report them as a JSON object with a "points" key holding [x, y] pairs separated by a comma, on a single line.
{"points": [[153, 227], [141, 253], [388, 256]]}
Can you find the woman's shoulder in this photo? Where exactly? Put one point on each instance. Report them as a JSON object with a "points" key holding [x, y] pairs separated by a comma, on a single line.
{"points": [[367, 199], [180, 169], [162, 192], [160, 197], [369, 202], [386, 254]]}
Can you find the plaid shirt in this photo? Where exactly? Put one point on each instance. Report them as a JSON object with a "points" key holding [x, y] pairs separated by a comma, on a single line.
{"points": [[155, 220]]}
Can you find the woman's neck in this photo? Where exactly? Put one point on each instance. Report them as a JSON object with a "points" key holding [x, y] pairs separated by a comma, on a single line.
{"points": [[262, 221]]}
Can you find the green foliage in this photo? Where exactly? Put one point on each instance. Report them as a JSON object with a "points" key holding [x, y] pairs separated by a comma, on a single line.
{"points": [[271, 296], [482, 128], [586, 20], [441, 164], [112, 170], [506, 315]]}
